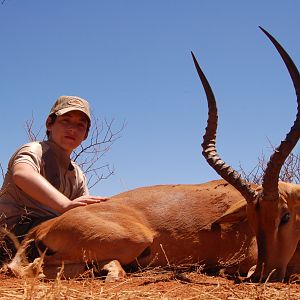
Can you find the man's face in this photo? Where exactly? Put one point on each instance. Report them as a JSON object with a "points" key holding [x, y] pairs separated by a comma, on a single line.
{"points": [[68, 130]]}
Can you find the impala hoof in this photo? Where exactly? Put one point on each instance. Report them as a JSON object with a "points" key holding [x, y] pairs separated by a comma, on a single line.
{"points": [[115, 271]]}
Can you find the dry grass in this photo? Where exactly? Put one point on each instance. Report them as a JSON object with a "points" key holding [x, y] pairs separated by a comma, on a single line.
{"points": [[149, 284]]}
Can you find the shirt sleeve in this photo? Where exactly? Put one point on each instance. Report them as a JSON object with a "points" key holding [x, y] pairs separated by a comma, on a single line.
{"points": [[30, 154]]}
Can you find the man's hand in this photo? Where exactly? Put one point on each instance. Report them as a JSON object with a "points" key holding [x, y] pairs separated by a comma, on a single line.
{"points": [[83, 201]]}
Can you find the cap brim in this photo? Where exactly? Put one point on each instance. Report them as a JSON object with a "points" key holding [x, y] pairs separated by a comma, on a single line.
{"points": [[68, 109]]}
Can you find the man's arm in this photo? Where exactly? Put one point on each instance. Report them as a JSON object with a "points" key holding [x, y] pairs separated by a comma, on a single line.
{"points": [[37, 187]]}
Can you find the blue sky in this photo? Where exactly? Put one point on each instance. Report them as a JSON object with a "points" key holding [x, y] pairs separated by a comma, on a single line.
{"points": [[131, 60]]}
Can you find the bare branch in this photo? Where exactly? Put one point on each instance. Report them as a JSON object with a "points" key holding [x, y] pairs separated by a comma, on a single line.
{"points": [[95, 176], [2, 171], [290, 171], [32, 133], [91, 152]]}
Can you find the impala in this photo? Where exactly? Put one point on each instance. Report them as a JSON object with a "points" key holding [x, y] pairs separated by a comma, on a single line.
{"points": [[229, 223]]}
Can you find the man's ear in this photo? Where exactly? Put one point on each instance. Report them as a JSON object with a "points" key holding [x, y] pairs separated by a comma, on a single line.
{"points": [[235, 213], [49, 123], [87, 129]]}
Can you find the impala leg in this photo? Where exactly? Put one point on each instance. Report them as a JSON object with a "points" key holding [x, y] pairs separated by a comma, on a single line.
{"points": [[115, 271], [64, 270]]}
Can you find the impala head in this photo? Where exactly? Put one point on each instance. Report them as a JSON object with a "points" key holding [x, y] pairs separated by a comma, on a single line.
{"points": [[274, 208]]}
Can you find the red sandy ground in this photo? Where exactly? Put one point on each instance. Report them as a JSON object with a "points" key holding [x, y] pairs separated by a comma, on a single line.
{"points": [[152, 284]]}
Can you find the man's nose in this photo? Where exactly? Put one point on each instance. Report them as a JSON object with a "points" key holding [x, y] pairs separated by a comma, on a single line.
{"points": [[71, 127]]}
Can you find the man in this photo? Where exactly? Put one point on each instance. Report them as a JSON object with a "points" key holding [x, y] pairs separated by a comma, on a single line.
{"points": [[41, 181]]}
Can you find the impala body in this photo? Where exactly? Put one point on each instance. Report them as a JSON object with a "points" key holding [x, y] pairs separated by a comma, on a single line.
{"points": [[151, 226]]}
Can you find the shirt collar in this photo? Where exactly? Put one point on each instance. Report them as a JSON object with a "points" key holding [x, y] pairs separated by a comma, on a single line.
{"points": [[63, 159]]}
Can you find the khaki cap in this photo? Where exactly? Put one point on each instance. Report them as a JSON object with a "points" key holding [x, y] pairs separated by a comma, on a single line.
{"points": [[65, 104]]}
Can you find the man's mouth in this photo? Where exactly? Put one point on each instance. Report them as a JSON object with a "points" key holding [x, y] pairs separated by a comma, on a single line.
{"points": [[70, 137]]}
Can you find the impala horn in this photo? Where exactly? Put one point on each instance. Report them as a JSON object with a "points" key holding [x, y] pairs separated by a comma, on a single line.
{"points": [[271, 176], [209, 143]]}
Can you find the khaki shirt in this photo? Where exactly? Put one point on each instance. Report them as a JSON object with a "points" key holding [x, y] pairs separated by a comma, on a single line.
{"points": [[53, 164]]}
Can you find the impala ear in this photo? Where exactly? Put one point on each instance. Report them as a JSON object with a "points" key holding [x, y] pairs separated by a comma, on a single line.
{"points": [[235, 213], [290, 193], [294, 190]]}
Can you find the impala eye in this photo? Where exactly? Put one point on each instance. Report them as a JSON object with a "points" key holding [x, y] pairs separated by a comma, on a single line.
{"points": [[285, 218]]}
